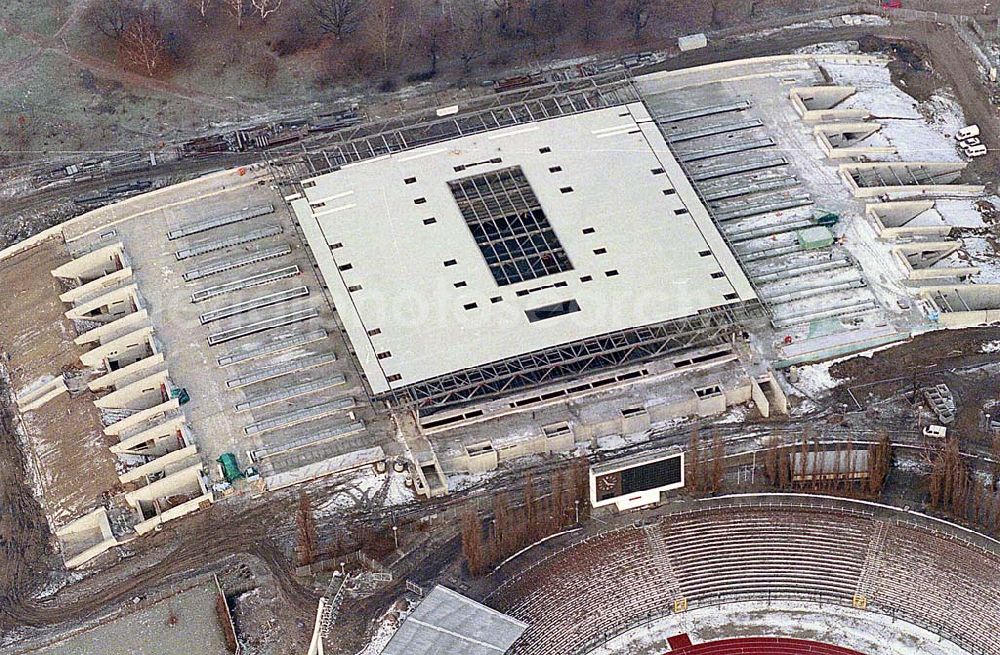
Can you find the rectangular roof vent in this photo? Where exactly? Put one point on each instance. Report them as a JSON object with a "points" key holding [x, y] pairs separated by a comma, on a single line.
{"points": [[551, 311]]}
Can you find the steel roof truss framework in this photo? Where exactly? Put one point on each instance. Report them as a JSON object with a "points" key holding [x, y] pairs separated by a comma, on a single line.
{"points": [[551, 365], [368, 141]]}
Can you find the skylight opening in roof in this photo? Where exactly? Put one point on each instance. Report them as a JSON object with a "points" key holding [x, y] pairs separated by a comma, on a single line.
{"points": [[509, 226]]}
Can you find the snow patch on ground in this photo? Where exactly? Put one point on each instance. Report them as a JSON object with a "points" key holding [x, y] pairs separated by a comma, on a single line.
{"points": [[875, 90], [387, 625], [57, 582], [815, 379], [830, 48], [367, 490], [460, 481], [982, 254], [736, 414], [959, 212], [611, 442], [990, 347], [864, 19], [866, 632], [820, 22]]}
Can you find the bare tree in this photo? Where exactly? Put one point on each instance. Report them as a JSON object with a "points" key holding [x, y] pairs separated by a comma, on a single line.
{"points": [[718, 463], [589, 13], [545, 19], [15, 138], [386, 29], [112, 17], [238, 9], [693, 476], [307, 539], [636, 14], [471, 27], [879, 464], [339, 17], [265, 68], [435, 32], [201, 6], [995, 467], [142, 45], [266, 7], [472, 543]]}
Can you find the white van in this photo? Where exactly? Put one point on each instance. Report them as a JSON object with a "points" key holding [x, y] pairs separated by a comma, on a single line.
{"points": [[967, 132], [975, 151], [936, 431]]}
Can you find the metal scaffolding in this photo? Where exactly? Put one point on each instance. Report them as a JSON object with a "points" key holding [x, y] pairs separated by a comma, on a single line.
{"points": [[328, 152], [550, 365]]}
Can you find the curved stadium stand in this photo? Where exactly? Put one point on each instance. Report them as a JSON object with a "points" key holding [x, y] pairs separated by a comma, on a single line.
{"points": [[763, 646], [576, 598]]}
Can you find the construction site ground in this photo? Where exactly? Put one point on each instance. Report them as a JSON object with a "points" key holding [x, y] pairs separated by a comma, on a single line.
{"points": [[184, 621], [72, 474], [248, 542], [965, 360]]}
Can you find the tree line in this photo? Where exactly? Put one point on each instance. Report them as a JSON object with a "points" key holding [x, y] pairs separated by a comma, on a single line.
{"points": [[366, 38], [956, 489], [518, 521]]}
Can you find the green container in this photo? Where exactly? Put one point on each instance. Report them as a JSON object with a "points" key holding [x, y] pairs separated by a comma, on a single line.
{"points": [[230, 467], [812, 238], [825, 218], [181, 395]]}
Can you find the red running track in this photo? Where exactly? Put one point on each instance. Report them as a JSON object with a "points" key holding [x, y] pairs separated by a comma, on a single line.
{"points": [[763, 646]]}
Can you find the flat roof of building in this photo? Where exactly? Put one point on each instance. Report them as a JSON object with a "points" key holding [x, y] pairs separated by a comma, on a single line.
{"points": [[185, 622], [448, 622], [462, 253]]}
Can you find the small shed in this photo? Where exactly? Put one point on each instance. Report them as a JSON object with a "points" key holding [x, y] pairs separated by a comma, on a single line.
{"points": [[692, 42], [815, 237], [829, 465]]}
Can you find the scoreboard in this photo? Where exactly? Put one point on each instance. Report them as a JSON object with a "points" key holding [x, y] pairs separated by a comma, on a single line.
{"points": [[635, 481]]}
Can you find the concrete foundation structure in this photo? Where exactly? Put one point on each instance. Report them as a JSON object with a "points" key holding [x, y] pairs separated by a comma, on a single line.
{"points": [[923, 260], [161, 469], [818, 103], [869, 180], [92, 265], [179, 492], [844, 140], [125, 358], [160, 439], [892, 219], [140, 395], [86, 538], [107, 307], [32, 399], [959, 306]]}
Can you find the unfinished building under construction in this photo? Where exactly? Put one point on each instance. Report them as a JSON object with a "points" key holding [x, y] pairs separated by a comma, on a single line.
{"points": [[550, 269]]}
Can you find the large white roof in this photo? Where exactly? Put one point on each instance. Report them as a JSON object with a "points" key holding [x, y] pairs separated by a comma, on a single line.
{"points": [[446, 622], [642, 247]]}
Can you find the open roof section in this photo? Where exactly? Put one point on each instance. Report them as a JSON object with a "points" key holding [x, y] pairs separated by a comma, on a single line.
{"points": [[419, 302], [509, 226]]}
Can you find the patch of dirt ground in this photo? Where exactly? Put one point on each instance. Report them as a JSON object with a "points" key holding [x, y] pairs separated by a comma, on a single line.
{"points": [[69, 452]]}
